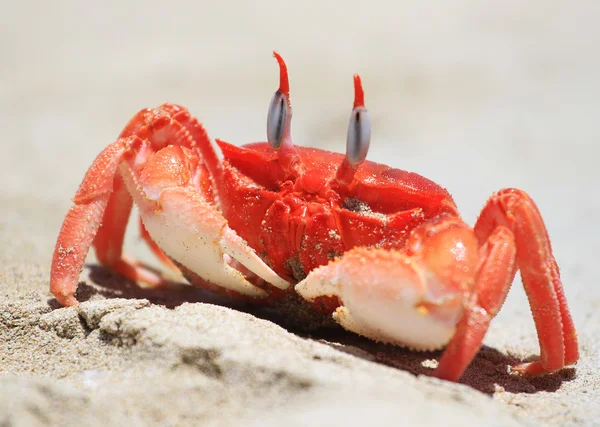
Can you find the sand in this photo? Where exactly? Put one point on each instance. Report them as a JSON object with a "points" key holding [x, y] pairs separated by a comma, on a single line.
{"points": [[475, 96]]}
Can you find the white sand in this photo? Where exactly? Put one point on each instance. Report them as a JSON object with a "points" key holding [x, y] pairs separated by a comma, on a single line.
{"points": [[477, 96]]}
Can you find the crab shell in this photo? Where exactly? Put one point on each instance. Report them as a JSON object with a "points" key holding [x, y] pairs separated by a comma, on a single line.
{"points": [[300, 224]]}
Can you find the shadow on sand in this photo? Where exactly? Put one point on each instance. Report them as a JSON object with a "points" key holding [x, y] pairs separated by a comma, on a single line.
{"points": [[487, 373]]}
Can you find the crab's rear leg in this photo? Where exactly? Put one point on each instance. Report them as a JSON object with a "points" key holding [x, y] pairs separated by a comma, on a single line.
{"points": [[514, 229], [514, 209]]}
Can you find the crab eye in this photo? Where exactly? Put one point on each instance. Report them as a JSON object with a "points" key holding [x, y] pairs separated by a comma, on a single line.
{"points": [[359, 136], [276, 119]]}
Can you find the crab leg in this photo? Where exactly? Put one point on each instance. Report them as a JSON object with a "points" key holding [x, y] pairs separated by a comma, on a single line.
{"points": [[103, 199], [109, 238], [108, 243], [495, 275], [83, 220], [422, 297], [514, 209]]}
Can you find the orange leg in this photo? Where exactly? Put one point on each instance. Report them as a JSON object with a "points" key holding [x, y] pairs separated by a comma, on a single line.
{"points": [[514, 210], [109, 238], [541, 278], [495, 274], [102, 204], [108, 242], [83, 220]]}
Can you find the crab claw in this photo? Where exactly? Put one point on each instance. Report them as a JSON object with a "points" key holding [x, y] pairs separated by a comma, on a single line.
{"points": [[386, 296], [165, 162], [196, 235], [185, 223]]}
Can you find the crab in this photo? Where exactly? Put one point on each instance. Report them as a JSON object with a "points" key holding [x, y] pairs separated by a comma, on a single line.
{"points": [[382, 251]]}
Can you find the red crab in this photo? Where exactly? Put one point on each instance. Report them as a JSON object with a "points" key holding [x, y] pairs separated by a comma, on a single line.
{"points": [[382, 250]]}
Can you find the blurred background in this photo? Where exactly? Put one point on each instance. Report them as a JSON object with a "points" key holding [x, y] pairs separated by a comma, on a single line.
{"points": [[476, 95]]}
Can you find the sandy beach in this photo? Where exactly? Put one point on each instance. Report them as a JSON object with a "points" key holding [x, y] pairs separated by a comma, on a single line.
{"points": [[476, 96]]}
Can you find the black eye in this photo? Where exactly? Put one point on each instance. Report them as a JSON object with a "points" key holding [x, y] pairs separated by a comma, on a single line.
{"points": [[359, 136], [276, 119]]}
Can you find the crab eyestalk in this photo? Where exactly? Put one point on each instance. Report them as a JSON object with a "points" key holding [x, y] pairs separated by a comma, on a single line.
{"points": [[279, 121], [359, 136]]}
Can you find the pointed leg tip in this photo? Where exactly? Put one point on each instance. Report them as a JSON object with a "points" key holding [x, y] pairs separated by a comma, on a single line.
{"points": [[68, 300], [447, 373], [531, 369], [63, 289], [536, 369]]}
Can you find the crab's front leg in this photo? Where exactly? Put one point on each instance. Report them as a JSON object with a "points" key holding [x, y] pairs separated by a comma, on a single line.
{"points": [[101, 199]]}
